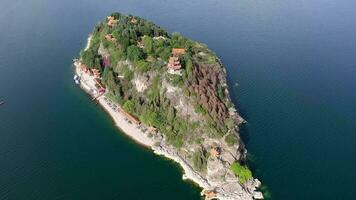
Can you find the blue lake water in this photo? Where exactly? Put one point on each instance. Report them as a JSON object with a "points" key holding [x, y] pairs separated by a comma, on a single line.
{"points": [[294, 62]]}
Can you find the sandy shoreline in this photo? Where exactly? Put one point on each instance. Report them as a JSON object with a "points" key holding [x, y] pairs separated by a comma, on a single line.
{"points": [[127, 128]]}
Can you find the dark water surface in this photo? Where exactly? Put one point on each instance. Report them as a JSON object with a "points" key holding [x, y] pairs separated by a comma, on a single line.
{"points": [[295, 62]]}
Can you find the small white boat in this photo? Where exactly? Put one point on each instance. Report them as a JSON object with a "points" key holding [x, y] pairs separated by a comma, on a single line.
{"points": [[76, 77], [77, 82]]}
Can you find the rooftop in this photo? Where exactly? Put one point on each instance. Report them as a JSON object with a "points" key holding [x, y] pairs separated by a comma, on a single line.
{"points": [[178, 51]]}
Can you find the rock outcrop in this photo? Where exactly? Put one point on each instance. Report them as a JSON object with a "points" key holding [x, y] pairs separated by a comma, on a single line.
{"points": [[205, 86]]}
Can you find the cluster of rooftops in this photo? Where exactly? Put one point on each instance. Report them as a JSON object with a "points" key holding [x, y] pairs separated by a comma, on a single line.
{"points": [[111, 21], [174, 66], [95, 72]]}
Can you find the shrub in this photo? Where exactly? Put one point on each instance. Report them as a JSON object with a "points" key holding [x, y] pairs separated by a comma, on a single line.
{"points": [[148, 44], [134, 53], [151, 118], [129, 106], [220, 92], [200, 110], [128, 74], [231, 139], [142, 66], [241, 172], [200, 159], [176, 80]]}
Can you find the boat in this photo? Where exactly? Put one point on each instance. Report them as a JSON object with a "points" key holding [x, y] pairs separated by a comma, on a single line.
{"points": [[76, 79], [2, 102]]}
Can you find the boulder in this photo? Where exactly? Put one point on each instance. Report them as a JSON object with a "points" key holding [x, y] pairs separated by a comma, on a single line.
{"points": [[257, 195]]}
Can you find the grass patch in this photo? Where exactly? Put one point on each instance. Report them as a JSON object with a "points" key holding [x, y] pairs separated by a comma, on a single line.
{"points": [[241, 172]]}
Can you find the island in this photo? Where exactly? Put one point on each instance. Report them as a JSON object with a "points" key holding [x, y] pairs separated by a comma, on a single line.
{"points": [[170, 94]]}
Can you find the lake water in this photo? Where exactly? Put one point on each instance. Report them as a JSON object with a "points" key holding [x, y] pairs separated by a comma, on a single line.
{"points": [[294, 62]]}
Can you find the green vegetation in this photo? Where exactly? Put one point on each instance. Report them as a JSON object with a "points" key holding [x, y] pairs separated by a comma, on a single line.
{"points": [[91, 58], [128, 74], [220, 92], [142, 66], [200, 158], [129, 106], [148, 44], [151, 118], [134, 53], [231, 139], [241, 172], [143, 48], [176, 80], [200, 110]]}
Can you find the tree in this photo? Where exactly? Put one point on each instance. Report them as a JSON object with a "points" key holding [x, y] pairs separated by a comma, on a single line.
{"points": [[241, 172], [109, 78], [128, 74], [165, 53], [148, 44], [155, 88], [189, 68], [142, 66], [200, 159], [116, 34], [124, 42], [200, 110], [134, 53], [116, 15], [151, 118], [133, 35], [90, 59], [220, 92], [129, 106]]}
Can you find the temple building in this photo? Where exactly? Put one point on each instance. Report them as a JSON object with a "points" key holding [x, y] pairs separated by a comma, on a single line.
{"points": [[112, 21], [174, 66], [215, 152], [110, 37], [178, 51], [209, 194]]}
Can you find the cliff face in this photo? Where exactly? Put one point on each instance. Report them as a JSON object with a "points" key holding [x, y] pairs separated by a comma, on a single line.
{"points": [[205, 84], [177, 86]]}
